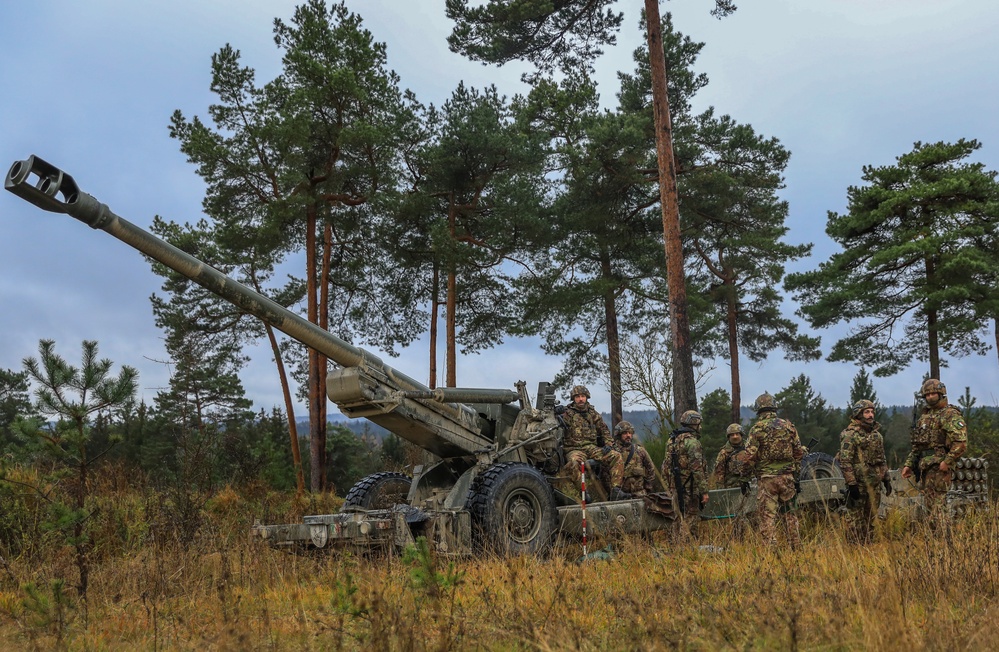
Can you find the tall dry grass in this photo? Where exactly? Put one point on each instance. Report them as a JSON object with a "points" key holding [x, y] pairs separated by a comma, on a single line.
{"points": [[913, 588]]}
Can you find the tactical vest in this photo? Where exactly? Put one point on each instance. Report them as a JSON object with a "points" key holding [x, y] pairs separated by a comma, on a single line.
{"points": [[777, 444], [929, 431], [737, 463]]}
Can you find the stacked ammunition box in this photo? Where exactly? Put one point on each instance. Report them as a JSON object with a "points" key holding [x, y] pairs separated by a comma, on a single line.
{"points": [[970, 488]]}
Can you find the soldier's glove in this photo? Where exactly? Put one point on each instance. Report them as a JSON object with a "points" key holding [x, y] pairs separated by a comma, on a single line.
{"points": [[887, 484], [606, 448], [853, 491], [617, 493], [601, 442], [745, 488], [559, 410]]}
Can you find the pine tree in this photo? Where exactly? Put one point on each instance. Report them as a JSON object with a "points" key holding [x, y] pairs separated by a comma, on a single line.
{"points": [[74, 397], [569, 35], [296, 162], [919, 267]]}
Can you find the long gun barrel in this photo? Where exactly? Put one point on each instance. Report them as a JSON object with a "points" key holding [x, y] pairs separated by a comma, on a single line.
{"points": [[364, 387]]}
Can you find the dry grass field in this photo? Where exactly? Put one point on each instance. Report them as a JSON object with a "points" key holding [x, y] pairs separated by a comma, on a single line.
{"points": [[912, 589]]}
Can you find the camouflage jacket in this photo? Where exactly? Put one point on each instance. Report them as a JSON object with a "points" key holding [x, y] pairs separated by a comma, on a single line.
{"points": [[584, 428], [862, 454], [774, 446], [639, 471], [940, 431], [731, 467], [690, 457]]}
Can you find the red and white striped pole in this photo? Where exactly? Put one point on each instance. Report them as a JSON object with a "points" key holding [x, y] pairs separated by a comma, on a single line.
{"points": [[582, 477]]}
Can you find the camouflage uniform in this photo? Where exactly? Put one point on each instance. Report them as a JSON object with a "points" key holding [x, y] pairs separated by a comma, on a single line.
{"points": [[732, 467], [639, 471], [940, 435], [775, 454], [685, 443], [862, 458], [586, 435]]}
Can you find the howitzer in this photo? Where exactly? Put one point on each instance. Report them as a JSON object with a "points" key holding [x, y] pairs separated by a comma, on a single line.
{"points": [[497, 480]]}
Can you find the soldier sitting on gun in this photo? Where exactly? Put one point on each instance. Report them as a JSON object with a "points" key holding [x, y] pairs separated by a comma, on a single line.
{"points": [[588, 437], [639, 471]]}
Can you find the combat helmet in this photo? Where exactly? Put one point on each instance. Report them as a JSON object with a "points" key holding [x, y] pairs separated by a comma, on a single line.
{"points": [[579, 390], [765, 402], [623, 427], [931, 385], [690, 418], [860, 406], [733, 429]]}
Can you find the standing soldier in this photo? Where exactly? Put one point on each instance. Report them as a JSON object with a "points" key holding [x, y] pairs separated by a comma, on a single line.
{"points": [[588, 437], [775, 454], [686, 473], [639, 471], [732, 464], [939, 439], [732, 469], [862, 459]]}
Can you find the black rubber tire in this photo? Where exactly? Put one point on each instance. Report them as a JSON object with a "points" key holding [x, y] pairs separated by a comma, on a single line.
{"points": [[820, 465], [379, 491], [513, 510]]}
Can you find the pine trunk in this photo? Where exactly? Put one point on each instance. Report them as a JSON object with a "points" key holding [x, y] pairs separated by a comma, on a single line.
{"points": [[684, 389]]}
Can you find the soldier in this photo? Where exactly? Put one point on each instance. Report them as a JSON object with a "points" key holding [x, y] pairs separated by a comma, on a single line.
{"points": [[939, 439], [588, 437], [775, 454], [731, 466], [862, 458], [732, 469], [686, 473], [639, 471]]}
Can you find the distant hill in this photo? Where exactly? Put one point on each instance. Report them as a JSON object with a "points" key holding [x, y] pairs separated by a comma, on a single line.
{"points": [[356, 426]]}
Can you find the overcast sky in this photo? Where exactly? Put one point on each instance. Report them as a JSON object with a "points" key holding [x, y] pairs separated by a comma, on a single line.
{"points": [[90, 88]]}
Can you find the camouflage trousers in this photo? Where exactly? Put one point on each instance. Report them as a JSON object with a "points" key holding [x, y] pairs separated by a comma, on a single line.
{"points": [[611, 460], [684, 528], [860, 513], [935, 486], [775, 501], [634, 485], [743, 521]]}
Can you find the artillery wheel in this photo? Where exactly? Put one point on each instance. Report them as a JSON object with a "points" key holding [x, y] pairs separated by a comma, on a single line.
{"points": [[378, 491], [820, 465], [513, 509]]}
